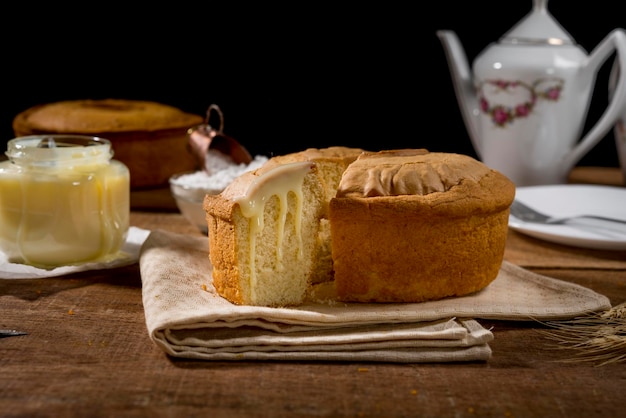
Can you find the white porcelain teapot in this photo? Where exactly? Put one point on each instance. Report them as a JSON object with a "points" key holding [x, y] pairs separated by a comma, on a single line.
{"points": [[525, 101]]}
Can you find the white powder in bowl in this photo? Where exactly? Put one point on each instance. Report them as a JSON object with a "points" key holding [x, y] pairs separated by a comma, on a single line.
{"points": [[223, 170]]}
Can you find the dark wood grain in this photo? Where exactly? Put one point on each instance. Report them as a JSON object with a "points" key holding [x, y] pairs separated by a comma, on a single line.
{"points": [[87, 353]]}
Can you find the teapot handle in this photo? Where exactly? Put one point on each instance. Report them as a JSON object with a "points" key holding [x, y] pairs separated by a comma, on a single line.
{"points": [[614, 42]]}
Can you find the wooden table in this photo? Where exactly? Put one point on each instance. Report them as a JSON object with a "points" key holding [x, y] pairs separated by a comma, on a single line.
{"points": [[87, 353]]}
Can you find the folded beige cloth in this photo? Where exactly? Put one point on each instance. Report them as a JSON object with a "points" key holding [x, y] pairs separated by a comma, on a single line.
{"points": [[187, 318]]}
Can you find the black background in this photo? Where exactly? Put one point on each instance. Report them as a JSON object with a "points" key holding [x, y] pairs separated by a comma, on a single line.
{"points": [[286, 76]]}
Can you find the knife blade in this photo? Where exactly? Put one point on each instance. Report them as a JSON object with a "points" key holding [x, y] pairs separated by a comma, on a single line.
{"points": [[11, 333]]}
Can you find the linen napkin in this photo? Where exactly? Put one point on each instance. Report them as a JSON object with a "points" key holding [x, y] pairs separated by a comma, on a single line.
{"points": [[128, 254], [186, 318]]}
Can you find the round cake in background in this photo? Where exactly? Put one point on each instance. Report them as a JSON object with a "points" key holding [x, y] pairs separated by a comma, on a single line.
{"points": [[149, 137]]}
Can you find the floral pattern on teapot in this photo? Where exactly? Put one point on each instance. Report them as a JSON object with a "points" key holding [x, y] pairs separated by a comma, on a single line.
{"points": [[522, 97]]}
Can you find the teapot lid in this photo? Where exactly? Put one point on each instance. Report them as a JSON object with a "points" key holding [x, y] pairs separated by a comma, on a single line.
{"points": [[538, 28]]}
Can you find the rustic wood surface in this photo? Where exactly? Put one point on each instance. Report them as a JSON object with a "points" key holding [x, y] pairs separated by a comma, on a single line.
{"points": [[87, 353]]}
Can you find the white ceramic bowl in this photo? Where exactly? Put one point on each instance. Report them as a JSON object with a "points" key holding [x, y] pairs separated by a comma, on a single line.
{"points": [[189, 199]]}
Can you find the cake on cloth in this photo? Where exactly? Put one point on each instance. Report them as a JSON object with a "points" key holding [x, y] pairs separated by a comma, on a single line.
{"points": [[389, 226], [411, 226], [149, 137]]}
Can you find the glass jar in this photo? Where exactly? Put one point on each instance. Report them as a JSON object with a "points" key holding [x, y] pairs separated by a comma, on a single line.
{"points": [[63, 200]]}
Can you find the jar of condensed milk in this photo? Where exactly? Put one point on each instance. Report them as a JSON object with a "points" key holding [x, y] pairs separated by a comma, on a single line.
{"points": [[63, 200]]}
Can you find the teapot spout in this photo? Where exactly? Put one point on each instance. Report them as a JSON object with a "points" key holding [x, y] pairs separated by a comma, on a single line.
{"points": [[463, 85]]}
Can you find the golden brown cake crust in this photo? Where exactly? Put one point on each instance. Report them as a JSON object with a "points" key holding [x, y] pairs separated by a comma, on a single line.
{"points": [[411, 226], [98, 116], [426, 183], [339, 154], [150, 138], [222, 244]]}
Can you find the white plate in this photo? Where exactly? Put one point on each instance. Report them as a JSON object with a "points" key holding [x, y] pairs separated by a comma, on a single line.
{"points": [[565, 200], [129, 254]]}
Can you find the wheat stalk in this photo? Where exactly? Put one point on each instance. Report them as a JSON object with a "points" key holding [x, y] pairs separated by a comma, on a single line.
{"points": [[598, 337]]}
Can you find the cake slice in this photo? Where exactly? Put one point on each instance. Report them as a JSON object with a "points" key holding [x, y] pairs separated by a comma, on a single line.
{"points": [[263, 230], [331, 162], [269, 237]]}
